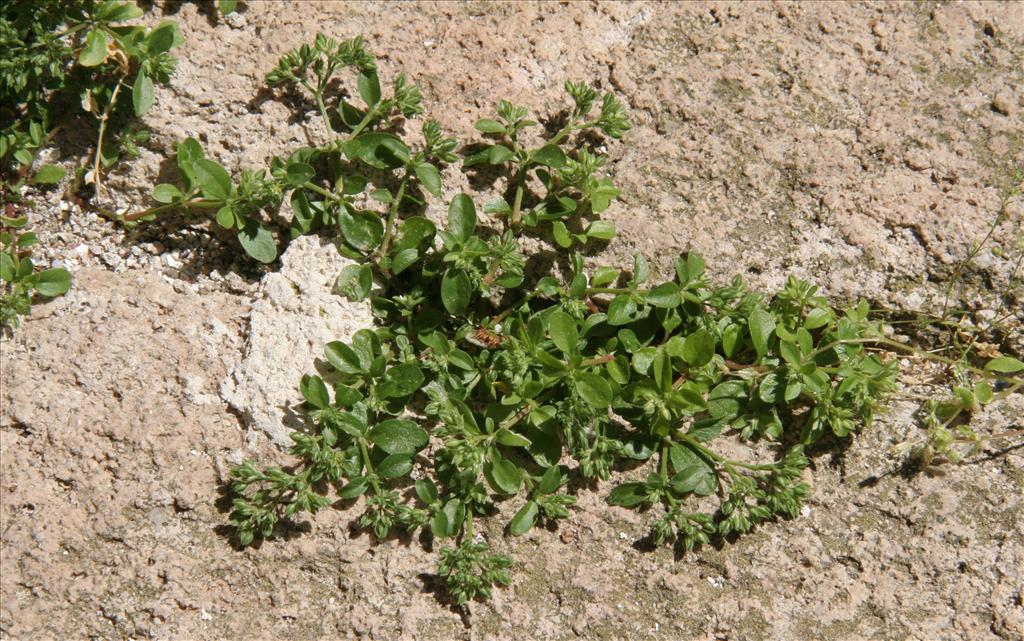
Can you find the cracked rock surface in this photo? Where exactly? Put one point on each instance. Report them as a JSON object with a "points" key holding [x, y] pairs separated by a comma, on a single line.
{"points": [[861, 145]]}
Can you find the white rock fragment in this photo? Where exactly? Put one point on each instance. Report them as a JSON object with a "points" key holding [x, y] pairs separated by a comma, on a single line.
{"points": [[294, 316]]}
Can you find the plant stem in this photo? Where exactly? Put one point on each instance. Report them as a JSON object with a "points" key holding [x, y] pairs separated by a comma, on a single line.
{"points": [[492, 271], [718, 458], [62, 34], [385, 244], [323, 192], [319, 96], [503, 315], [517, 204], [600, 360], [367, 119], [96, 175], [565, 131], [197, 203], [531, 404], [323, 113], [614, 290], [888, 342], [974, 251], [365, 453]]}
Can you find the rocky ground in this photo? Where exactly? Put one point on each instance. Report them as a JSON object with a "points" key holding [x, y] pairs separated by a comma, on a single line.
{"points": [[864, 146]]}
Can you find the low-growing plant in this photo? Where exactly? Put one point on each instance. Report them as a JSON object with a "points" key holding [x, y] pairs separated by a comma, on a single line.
{"points": [[334, 185], [19, 278], [949, 435], [572, 189], [65, 58], [484, 385]]}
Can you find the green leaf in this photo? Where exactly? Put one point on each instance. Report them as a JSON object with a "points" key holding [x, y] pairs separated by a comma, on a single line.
{"points": [[166, 193], [164, 37], [226, 6], [258, 241], [697, 478], [401, 380], [761, 326], [503, 475], [699, 348], [789, 352], [314, 391], [600, 229], [564, 333], [415, 232], [730, 339], [602, 194], [369, 87], [551, 481], [497, 206], [524, 519], [983, 392], [508, 438], [117, 11], [561, 234], [665, 295], [426, 491], [662, 366], [355, 488], [396, 436], [456, 290], [725, 400], [488, 126], [95, 50], [594, 390], [462, 217], [362, 229], [49, 175], [226, 217], [498, 155], [817, 317], [213, 179], [345, 396], [342, 358], [142, 94], [1004, 365], [604, 276], [7, 271], [549, 156], [429, 176], [189, 151], [629, 495], [52, 282], [448, 520], [354, 282], [403, 259], [299, 173], [621, 310], [394, 466], [378, 150]]}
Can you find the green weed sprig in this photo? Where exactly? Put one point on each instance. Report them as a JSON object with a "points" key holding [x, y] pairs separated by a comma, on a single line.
{"points": [[19, 280]]}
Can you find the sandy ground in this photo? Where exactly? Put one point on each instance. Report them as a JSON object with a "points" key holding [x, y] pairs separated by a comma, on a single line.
{"points": [[861, 145]]}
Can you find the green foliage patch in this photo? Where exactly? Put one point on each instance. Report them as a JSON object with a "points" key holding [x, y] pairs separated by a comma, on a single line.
{"points": [[486, 386], [64, 59], [19, 279]]}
